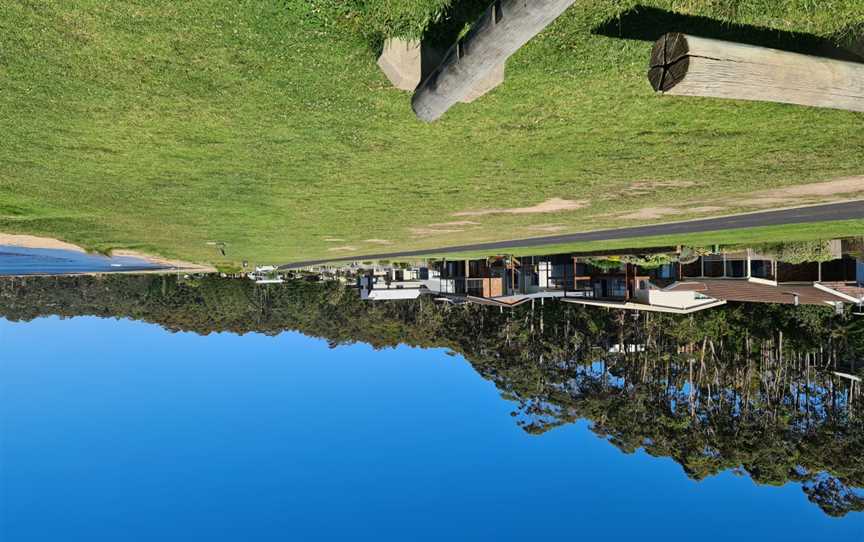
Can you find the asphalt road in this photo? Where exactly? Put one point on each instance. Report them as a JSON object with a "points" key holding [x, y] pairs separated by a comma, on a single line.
{"points": [[802, 215]]}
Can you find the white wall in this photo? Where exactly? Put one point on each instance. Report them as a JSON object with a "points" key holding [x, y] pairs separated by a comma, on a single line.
{"points": [[670, 298]]}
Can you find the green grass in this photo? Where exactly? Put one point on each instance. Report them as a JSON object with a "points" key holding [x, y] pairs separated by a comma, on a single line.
{"points": [[266, 124]]}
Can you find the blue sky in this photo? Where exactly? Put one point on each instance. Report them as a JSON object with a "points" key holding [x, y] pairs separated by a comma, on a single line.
{"points": [[119, 430]]}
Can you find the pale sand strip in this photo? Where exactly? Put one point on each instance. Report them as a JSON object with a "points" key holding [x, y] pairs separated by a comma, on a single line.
{"points": [[32, 241], [180, 265]]}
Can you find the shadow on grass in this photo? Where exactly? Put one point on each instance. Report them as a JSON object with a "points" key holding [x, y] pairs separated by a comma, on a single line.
{"points": [[647, 23], [443, 33]]}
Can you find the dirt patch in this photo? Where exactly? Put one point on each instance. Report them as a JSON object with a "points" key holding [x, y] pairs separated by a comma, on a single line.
{"points": [[32, 241], [417, 232], [547, 228], [553, 205], [804, 193], [346, 248], [845, 185], [442, 227], [378, 241], [334, 240], [640, 187], [768, 202], [455, 223], [780, 197], [650, 213]]}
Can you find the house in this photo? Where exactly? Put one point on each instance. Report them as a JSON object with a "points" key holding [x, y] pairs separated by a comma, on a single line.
{"points": [[748, 276], [381, 284], [266, 274], [503, 281], [709, 281], [507, 281], [374, 289], [614, 281], [632, 288], [397, 274]]}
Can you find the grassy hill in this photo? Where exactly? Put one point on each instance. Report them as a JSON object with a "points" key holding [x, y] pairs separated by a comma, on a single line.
{"points": [[266, 125]]}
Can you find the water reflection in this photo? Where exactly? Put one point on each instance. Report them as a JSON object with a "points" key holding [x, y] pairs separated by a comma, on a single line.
{"points": [[16, 260], [765, 389]]}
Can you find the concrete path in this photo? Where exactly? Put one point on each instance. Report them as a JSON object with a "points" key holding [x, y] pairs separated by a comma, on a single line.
{"points": [[801, 215]]}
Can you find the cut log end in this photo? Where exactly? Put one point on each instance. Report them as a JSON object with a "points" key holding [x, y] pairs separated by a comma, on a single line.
{"points": [[676, 47], [655, 77], [669, 61], [658, 53]]}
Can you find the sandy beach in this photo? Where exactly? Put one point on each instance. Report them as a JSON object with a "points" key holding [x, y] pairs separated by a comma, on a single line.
{"points": [[188, 267], [32, 241]]}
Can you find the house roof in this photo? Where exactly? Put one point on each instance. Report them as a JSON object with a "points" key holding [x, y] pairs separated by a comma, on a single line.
{"points": [[391, 294], [510, 301], [849, 289], [755, 292], [633, 305], [515, 300]]}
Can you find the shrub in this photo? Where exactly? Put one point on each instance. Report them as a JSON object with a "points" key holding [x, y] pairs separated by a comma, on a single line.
{"points": [[799, 251]]}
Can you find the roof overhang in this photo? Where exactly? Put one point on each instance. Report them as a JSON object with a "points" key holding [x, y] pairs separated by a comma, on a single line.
{"points": [[629, 305]]}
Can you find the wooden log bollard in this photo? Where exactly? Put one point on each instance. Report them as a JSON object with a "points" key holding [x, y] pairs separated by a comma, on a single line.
{"points": [[502, 29], [684, 65]]}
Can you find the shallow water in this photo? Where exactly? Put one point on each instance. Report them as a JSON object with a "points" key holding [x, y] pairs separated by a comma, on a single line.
{"points": [[41, 261]]}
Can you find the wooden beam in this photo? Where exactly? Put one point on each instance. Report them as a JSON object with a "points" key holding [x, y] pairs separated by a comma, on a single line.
{"points": [[684, 65], [502, 29]]}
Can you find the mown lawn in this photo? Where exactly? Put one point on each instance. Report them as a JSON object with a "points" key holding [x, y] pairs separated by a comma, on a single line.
{"points": [[266, 125]]}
